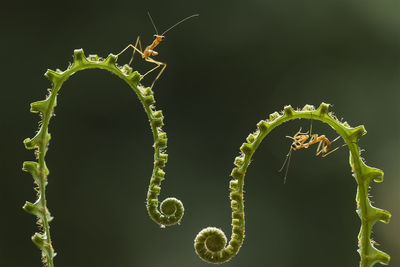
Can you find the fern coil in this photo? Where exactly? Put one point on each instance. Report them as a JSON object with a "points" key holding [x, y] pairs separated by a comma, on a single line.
{"points": [[210, 243]]}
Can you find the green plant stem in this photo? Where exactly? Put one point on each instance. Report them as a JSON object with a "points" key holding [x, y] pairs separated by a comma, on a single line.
{"points": [[171, 208], [210, 243]]}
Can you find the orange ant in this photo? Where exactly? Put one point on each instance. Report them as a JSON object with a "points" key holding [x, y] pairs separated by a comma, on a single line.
{"points": [[149, 50], [305, 140]]}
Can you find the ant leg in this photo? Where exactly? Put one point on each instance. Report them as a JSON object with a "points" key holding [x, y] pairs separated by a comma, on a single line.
{"points": [[134, 50], [337, 138], [159, 74], [313, 140], [299, 132], [321, 150], [153, 69], [335, 148], [301, 143], [126, 48], [298, 141], [313, 137], [159, 64]]}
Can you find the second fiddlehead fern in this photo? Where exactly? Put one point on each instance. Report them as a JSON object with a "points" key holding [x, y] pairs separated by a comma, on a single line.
{"points": [[211, 243], [171, 208]]}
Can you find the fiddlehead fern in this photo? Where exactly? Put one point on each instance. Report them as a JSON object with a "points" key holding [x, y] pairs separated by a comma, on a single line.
{"points": [[210, 243], [171, 208]]}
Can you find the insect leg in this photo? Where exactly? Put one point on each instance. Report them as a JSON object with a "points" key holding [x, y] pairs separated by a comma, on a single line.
{"points": [[335, 148], [159, 64], [337, 138], [126, 48], [321, 150], [134, 50], [314, 138]]}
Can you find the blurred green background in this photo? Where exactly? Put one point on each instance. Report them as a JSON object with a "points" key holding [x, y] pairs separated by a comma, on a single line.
{"points": [[228, 69]]}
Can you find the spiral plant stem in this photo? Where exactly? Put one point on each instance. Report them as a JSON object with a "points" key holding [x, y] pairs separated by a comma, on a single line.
{"points": [[171, 208], [210, 243]]}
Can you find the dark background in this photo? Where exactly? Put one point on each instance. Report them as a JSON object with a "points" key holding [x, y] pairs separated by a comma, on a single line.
{"points": [[228, 69]]}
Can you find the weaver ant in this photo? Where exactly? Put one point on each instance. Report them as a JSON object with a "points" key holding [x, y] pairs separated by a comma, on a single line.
{"points": [[149, 50], [305, 140]]}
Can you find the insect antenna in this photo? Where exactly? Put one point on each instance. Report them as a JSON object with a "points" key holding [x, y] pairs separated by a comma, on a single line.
{"points": [[179, 22], [152, 22], [287, 163]]}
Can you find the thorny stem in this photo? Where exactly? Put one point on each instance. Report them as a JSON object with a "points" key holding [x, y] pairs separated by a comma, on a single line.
{"points": [[210, 243], [171, 208]]}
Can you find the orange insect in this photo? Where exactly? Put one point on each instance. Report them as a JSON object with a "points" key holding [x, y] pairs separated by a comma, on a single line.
{"points": [[299, 142], [149, 50], [305, 140]]}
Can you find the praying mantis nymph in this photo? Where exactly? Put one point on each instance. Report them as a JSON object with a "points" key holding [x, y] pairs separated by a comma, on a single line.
{"points": [[149, 50], [305, 140]]}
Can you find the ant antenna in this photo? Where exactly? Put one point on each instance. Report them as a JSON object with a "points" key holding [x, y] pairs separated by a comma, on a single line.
{"points": [[287, 160], [176, 24], [152, 22]]}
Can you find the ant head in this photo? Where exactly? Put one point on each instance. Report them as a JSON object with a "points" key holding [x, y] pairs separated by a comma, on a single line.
{"points": [[159, 37]]}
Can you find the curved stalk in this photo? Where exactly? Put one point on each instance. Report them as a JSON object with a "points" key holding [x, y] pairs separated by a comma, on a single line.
{"points": [[171, 208], [210, 243]]}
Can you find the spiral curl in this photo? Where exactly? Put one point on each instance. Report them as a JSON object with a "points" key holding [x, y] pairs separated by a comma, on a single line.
{"points": [[172, 208], [172, 211], [210, 243]]}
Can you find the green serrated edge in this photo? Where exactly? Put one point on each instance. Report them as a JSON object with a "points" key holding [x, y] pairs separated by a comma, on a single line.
{"points": [[171, 208], [210, 243]]}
